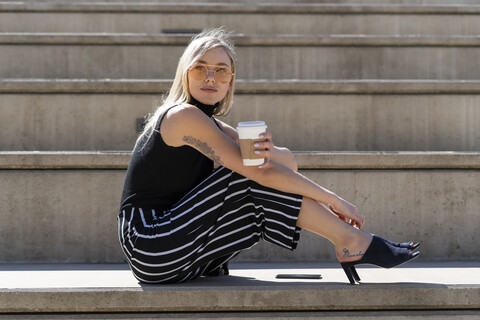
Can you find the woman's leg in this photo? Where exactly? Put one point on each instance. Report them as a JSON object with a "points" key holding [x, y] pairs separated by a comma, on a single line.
{"points": [[222, 216], [350, 243]]}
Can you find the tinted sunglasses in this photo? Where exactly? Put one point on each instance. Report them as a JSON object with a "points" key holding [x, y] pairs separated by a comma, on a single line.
{"points": [[221, 74]]}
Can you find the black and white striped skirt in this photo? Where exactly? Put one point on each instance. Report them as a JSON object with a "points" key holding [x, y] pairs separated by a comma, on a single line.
{"points": [[224, 215]]}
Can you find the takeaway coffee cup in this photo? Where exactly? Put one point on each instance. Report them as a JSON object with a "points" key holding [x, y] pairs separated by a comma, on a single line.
{"points": [[248, 134]]}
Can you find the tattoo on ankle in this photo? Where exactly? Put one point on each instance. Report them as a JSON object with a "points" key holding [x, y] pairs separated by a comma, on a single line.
{"points": [[347, 254]]}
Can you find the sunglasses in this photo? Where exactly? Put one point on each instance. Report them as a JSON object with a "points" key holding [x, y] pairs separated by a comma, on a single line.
{"points": [[221, 74]]}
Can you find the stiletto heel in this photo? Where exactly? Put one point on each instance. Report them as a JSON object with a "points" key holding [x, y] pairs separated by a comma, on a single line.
{"points": [[348, 272], [380, 253], [351, 273], [355, 274]]}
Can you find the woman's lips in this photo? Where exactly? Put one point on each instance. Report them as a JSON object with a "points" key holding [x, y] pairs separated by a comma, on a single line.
{"points": [[209, 90]]}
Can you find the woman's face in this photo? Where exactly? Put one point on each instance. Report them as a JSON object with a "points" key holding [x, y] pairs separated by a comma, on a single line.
{"points": [[210, 90]]}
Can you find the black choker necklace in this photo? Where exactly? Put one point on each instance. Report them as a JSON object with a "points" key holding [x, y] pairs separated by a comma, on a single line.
{"points": [[208, 109]]}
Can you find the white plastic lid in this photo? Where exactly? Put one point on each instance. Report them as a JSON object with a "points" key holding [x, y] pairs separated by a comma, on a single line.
{"points": [[247, 124]]}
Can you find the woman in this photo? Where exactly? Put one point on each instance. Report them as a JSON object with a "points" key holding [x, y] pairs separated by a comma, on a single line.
{"points": [[181, 219]]}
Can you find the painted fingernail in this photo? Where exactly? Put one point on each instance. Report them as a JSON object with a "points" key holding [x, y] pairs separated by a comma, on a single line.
{"points": [[256, 144], [257, 152], [261, 136]]}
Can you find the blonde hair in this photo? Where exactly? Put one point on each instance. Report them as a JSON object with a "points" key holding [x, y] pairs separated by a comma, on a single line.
{"points": [[180, 92]]}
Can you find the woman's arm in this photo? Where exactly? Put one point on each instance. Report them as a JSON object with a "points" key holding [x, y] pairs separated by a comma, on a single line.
{"points": [[269, 150], [186, 125]]}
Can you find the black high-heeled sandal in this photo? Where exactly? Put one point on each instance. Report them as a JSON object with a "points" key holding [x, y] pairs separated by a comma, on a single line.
{"points": [[407, 245], [380, 253]]}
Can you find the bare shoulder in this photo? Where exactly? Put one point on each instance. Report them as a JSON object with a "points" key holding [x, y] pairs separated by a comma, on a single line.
{"points": [[183, 120], [187, 125], [182, 112], [178, 121]]}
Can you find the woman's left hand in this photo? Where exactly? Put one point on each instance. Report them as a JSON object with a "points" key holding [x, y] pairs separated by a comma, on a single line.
{"points": [[349, 214], [267, 150], [264, 148]]}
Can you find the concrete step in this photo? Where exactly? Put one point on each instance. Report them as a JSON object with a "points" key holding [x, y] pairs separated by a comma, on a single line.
{"points": [[425, 291], [324, 315], [409, 115], [270, 2], [59, 206], [155, 56], [252, 18]]}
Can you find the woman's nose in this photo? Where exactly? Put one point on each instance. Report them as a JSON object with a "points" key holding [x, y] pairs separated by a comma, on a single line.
{"points": [[210, 75]]}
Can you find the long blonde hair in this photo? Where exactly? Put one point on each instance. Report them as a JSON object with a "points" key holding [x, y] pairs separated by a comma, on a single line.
{"points": [[180, 92]]}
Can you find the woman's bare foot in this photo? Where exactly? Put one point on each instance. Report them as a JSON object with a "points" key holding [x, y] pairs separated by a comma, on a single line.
{"points": [[353, 247]]}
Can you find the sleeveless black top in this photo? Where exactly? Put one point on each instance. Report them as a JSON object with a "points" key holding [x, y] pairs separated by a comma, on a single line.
{"points": [[159, 175]]}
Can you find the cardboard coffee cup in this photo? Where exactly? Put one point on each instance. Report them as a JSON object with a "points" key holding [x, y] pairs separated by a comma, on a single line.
{"points": [[249, 133]]}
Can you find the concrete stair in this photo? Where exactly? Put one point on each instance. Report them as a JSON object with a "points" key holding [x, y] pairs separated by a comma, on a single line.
{"points": [[253, 18], [409, 115], [154, 56], [425, 291], [74, 198], [378, 100]]}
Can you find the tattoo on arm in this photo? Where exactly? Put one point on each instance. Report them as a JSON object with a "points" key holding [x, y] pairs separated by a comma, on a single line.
{"points": [[204, 148]]}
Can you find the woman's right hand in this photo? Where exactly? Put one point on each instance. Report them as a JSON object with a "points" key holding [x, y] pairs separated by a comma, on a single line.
{"points": [[349, 213]]}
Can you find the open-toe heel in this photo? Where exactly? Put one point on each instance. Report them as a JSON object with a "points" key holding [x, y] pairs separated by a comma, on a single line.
{"points": [[407, 245], [380, 253]]}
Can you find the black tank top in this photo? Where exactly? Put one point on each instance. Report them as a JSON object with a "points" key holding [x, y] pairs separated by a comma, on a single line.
{"points": [[159, 175]]}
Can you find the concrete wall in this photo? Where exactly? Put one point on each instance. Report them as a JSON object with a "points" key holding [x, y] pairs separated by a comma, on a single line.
{"points": [[69, 215], [310, 57], [294, 1], [52, 212], [264, 22], [347, 122], [437, 208]]}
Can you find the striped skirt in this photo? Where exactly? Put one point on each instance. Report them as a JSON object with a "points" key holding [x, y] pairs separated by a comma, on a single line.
{"points": [[224, 215]]}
